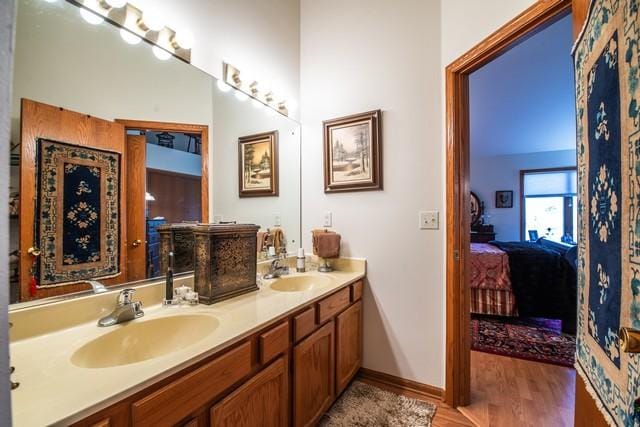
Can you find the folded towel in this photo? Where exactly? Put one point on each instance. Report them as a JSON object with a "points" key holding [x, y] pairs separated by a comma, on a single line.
{"points": [[277, 235], [326, 244], [262, 238]]}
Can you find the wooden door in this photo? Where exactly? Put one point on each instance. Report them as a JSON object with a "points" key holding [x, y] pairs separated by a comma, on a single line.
{"points": [[38, 120], [348, 345], [313, 376], [136, 207], [261, 401]]}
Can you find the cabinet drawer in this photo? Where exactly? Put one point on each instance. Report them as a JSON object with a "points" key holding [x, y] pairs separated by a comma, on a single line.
{"points": [[304, 323], [330, 306], [182, 397], [274, 342], [356, 291]]}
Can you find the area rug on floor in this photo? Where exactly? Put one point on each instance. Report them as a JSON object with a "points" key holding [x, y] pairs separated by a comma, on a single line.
{"points": [[540, 340], [365, 405]]}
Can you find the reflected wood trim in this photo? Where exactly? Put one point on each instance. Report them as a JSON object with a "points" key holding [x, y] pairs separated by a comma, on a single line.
{"points": [[38, 120], [136, 224], [535, 18], [400, 385], [203, 130]]}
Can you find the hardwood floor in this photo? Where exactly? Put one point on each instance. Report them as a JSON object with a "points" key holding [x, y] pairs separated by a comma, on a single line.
{"points": [[514, 392]]}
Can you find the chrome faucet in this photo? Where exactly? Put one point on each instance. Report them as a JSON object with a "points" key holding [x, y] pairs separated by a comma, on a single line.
{"points": [[276, 270], [125, 310], [97, 287]]}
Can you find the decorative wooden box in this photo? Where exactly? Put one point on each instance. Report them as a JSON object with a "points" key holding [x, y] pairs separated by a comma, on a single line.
{"points": [[176, 238], [225, 261]]}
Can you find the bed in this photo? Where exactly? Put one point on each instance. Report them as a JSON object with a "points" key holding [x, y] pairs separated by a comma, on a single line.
{"points": [[529, 279]]}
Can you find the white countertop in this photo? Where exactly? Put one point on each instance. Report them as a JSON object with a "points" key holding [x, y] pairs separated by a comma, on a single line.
{"points": [[55, 391]]}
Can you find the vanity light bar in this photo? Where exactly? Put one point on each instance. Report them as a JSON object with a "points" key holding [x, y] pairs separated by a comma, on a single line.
{"points": [[251, 88], [148, 26]]}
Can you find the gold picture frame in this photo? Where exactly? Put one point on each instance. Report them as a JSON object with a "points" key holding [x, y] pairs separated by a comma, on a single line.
{"points": [[353, 153], [258, 165]]}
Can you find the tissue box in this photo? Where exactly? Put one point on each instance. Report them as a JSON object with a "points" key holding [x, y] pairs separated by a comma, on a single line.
{"points": [[225, 260]]}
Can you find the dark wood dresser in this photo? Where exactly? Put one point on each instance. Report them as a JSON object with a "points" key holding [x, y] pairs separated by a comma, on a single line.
{"points": [[482, 233]]}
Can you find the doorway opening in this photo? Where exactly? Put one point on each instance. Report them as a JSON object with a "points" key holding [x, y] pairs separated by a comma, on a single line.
{"points": [[172, 187], [459, 202]]}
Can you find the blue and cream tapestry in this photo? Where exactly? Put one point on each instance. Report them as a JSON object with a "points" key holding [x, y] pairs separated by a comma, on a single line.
{"points": [[608, 138], [78, 218]]}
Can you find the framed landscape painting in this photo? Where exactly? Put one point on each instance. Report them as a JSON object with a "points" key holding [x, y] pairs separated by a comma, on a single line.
{"points": [[258, 165], [353, 153]]}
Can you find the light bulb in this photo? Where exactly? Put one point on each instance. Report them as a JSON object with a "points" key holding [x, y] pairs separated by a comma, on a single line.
{"points": [[257, 104], [160, 53], [116, 3], [91, 17], [153, 20], [184, 38], [241, 96], [129, 37]]}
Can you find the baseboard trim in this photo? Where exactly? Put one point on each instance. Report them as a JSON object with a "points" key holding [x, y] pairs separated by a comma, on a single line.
{"points": [[400, 385]]}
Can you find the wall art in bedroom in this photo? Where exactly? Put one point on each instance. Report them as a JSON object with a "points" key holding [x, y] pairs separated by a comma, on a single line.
{"points": [[504, 199]]}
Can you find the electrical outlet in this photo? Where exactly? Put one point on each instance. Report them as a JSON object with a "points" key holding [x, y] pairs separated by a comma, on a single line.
{"points": [[217, 219], [429, 220], [277, 220], [328, 220]]}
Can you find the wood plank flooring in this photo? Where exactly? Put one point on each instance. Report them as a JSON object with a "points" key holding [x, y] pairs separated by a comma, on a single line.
{"points": [[513, 392]]}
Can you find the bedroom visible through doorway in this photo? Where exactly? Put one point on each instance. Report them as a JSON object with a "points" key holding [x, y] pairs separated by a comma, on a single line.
{"points": [[522, 274]]}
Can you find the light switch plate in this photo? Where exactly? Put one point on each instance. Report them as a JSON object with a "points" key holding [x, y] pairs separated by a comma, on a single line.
{"points": [[277, 220], [328, 219], [429, 220]]}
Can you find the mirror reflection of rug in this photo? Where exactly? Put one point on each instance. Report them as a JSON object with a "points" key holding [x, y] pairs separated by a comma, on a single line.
{"points": [[540, 340]]}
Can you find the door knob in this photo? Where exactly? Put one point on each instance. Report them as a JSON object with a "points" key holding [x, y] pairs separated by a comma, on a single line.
{"points": [[136, 243], [629, 340]]}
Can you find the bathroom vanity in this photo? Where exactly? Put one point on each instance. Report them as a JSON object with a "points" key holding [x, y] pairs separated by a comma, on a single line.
{"points": [[279, 356]]}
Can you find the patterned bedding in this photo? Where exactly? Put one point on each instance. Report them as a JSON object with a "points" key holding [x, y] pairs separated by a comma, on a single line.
{"points": [[490, 281]]}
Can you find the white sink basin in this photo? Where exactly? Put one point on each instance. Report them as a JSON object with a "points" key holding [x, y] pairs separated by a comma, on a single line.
{"points": [[142, 339], [299, 283]]}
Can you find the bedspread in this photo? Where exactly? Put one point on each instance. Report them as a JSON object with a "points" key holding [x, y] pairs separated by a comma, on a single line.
{"points": [[489, 268]]}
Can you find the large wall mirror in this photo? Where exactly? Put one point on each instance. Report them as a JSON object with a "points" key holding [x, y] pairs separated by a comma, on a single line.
{"points": [[109, 142]]}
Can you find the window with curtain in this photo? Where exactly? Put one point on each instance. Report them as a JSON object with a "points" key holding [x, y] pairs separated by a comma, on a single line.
{"points": [[549, 203]]}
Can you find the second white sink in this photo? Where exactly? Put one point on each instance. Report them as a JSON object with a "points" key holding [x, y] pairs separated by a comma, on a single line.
{"points": [[299, 283]]}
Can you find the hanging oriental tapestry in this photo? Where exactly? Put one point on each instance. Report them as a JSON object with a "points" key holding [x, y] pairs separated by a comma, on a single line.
{"points": [[78, 218], [608, 142]]}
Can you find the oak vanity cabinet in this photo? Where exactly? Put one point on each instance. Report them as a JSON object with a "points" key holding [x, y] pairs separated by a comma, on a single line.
{"points": [[289, 373]]}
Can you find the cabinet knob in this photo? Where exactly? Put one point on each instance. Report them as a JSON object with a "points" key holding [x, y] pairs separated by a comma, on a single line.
{"points": [[136, 243]]}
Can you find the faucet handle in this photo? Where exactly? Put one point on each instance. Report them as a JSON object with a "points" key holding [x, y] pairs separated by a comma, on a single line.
{"points": [[125, 296]]}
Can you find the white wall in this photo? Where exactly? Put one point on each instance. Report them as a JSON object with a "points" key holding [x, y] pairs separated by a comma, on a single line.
{"points": [[382, 54], [494, 173], [232, 120], [7, 13], [260, 37], [168, 159], [390, 55]]}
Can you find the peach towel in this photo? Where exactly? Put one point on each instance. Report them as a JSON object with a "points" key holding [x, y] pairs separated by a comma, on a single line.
{"points": [[326, 244], [262, 238], [277, 238]]}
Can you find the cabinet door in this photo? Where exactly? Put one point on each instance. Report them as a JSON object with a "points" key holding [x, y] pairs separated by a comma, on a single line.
{"points": [[348, 345], [313, 376], [261, 401]]}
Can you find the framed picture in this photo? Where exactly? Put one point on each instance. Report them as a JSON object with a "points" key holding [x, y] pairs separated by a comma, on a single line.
{"points": [[258, 165], [353, 153], [504, 199]]}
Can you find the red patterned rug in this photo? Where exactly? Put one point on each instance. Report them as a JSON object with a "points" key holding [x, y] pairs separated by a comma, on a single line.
{"points": [[540, 340]]}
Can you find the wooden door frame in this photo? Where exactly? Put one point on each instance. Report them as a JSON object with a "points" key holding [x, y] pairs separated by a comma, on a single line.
{"points": [[458, 303], [203, 130]]}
